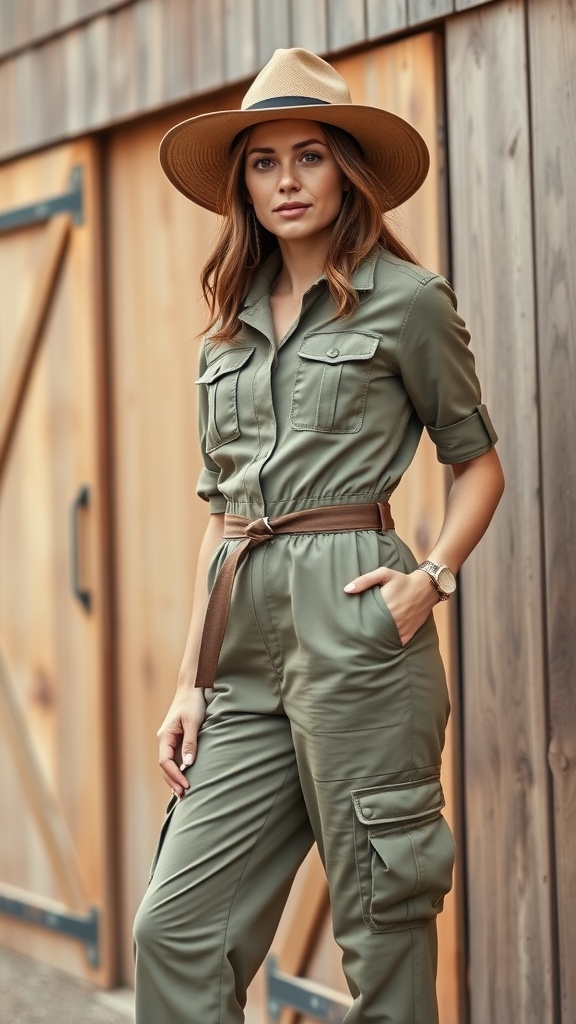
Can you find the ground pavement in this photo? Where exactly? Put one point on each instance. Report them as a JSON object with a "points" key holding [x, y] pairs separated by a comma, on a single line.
{"points": [[31, 993]]}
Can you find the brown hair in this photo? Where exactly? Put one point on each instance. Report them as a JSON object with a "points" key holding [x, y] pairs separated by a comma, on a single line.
{"points": [[239, 252]]}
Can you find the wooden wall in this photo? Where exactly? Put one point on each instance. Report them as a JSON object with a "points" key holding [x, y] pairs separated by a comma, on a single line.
{"points": [[511, 111], [73, 66]]}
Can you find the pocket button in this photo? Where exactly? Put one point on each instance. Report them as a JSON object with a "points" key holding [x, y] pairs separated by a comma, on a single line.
{"points": [[333, 352]]}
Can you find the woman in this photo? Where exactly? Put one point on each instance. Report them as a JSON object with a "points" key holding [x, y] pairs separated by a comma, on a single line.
{"points": [[314, 707]]}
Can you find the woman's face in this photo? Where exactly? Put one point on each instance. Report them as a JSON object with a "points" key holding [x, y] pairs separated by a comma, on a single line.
{"points": [[292, 178]]}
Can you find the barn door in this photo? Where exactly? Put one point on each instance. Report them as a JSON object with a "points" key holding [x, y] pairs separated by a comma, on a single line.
{"points": [[54, 627]]}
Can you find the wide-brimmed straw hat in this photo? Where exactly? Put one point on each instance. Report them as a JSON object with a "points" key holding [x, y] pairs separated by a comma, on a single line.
{"points": [[195, 154]]}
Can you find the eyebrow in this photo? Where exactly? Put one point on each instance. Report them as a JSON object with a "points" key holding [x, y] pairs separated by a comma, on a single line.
{"points": [[297, 145]]}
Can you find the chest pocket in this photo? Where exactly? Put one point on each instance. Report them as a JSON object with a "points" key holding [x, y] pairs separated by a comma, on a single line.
{"points": [[221, 381], [331, 382]]}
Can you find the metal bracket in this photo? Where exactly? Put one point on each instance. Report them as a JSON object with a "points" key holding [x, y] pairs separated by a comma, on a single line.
{"points": [[82, 927], [36, 213], [304, 996]]}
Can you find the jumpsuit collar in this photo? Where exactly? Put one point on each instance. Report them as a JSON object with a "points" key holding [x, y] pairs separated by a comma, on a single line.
{"points": [[256, 309]]}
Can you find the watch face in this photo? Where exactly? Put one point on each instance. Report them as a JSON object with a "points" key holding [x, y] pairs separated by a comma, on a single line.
{"points": [[446, 581]]}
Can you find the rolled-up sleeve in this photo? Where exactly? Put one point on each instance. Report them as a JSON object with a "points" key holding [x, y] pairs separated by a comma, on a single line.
{"points": [[438, 371], [207, 486]]}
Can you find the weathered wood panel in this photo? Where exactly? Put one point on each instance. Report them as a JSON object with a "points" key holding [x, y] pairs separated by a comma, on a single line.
{"points": [[464, 5], [426, 10], [346, 23], [90, 65], [388, 17], [177, 48], [309, 25], [27, 22], [273, 26], [507, 814], [240, 43], [552, 44], [149, 32]]}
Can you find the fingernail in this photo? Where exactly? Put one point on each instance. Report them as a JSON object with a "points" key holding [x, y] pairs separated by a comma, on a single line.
{"points": [[188, 759], [350, 587]]}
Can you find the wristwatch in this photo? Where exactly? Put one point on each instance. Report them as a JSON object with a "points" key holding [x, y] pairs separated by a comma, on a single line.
{"points": [[442, 578]]}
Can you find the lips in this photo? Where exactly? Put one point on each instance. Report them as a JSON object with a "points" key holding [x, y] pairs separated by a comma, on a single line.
{"points": [[292, 206]]}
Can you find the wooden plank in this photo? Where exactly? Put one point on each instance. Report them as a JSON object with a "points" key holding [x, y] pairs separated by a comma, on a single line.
{"points": [[38, 795], [27, 114], [8, 114], [70, 55], [346, 23], [552, 44], [97, 72], [309, 25], [42, 17], [240, 50], [208, 43], [420, 11], [463, 5], [58, 233], [273, 27], [511, 953], [149, 30], [384, 18], [176, 48], [123, 77], [57, 100]]}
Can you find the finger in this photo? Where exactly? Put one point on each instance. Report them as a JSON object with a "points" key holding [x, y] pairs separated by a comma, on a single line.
{"points": [[369, 579], [189, 748], [173, 777], [166, 758]]}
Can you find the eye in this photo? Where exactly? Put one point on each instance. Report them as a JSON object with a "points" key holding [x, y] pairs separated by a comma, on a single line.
{"points": [[310, 158], [263, 163]]}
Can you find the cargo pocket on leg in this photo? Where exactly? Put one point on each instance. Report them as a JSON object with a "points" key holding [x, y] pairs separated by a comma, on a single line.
{"points": [[404, 853]]}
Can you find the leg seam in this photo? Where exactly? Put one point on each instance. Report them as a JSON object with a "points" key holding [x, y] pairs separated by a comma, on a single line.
{"points": [[235, 893]]}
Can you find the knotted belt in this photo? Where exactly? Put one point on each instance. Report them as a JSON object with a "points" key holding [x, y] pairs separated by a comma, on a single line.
{"points": [[329, 519]]}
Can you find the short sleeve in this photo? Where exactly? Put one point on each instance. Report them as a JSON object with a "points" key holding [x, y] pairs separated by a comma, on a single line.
{"points": [[207, 486], [438, 371]]}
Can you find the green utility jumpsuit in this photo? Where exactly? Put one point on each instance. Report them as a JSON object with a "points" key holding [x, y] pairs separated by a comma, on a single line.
{"points": [[321, 725]]}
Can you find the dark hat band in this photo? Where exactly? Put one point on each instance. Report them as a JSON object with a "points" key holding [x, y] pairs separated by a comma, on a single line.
{"points": [[288, 101]]}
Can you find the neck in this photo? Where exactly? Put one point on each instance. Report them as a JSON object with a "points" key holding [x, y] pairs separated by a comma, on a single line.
{"points": [[303, 261]]}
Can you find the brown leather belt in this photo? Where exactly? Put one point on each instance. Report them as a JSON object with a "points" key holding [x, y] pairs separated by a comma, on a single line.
{"points": [[329, 519]]}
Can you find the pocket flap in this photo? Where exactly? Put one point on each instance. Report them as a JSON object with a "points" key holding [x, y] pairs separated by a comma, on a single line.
{"points": [[226, 362], [399, 804], [335, 347]]}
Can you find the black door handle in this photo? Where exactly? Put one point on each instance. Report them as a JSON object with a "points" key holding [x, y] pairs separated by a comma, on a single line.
{"points": [[82, 500]]}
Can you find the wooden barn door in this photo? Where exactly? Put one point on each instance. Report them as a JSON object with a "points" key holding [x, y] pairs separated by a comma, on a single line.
{"points": [[54, 853]]}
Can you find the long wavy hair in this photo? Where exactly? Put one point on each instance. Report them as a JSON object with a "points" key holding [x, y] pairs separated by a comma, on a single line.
{"points": [[243, 244]]}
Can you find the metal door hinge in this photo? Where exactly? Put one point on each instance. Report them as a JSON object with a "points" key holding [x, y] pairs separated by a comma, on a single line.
{"points": [[36, 213], [83, 927], [303, 995]]}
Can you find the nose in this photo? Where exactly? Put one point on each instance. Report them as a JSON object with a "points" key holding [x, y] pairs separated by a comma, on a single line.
{"points": [[288, 180]]}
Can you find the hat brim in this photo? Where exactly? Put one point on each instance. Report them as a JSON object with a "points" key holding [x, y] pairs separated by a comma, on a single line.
{"points": [[195, 154]]}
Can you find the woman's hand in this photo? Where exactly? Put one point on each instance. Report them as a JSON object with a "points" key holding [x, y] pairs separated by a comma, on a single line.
{"points": [[410, 597], [178, 736]]}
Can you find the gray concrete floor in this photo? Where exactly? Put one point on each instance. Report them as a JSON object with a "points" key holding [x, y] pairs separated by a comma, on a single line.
{"points": [[32, 993]]}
